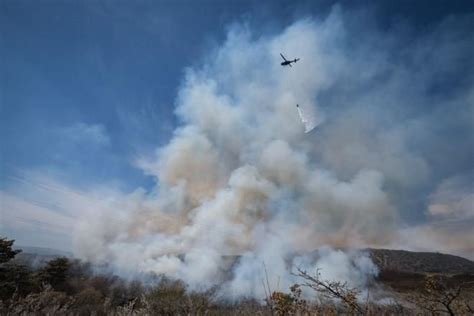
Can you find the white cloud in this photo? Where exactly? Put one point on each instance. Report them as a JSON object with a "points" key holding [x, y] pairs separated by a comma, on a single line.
{"points": [[40, 210], [92, 134]]}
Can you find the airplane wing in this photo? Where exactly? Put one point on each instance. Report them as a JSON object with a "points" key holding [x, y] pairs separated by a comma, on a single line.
{"points": [[282, 56]]}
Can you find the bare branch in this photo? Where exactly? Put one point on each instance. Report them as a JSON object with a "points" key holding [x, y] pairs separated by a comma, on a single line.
{"points": [[332, 290]]}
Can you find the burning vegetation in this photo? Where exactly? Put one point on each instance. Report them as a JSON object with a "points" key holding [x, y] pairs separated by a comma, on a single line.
{"points": [[65, 286]]}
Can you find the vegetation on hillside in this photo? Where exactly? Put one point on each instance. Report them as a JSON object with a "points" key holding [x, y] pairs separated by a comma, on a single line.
{"points": [[69, 287]]}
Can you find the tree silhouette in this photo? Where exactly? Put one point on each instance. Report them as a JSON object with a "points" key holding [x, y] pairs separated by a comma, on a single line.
{"points": [[6, 250], [55, 273], [14, 278]]}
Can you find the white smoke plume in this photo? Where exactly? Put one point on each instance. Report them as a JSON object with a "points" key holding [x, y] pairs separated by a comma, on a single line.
{"points": [[308, 120], [241, 178]]}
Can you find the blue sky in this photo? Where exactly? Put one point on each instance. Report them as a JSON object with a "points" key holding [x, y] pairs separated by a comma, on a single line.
{"points": [[112, 69], [89, 87]]}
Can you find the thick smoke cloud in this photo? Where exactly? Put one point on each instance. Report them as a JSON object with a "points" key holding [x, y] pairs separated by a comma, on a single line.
{"points": [[241, 178]]}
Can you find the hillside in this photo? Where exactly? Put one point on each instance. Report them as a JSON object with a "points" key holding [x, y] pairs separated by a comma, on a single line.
{"points": [[400, 271], [420, 262], [405, 271], [400, 261]]}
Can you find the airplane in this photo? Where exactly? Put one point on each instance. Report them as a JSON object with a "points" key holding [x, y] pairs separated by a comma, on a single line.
{"points": [[288, 62]]}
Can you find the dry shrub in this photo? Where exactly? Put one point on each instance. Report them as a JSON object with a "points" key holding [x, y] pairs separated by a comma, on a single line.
{"points": [[289, 304], [46, 302], [170, 297], [440, 297], [88, 301], [333, 290]]}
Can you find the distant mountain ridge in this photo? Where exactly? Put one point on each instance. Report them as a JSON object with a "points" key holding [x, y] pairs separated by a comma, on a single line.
{"points": [[420, 262], [44, 251], [38, 256]]}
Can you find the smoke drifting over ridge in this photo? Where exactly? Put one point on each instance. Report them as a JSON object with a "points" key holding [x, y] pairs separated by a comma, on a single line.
{"points": [[240, 176]]}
